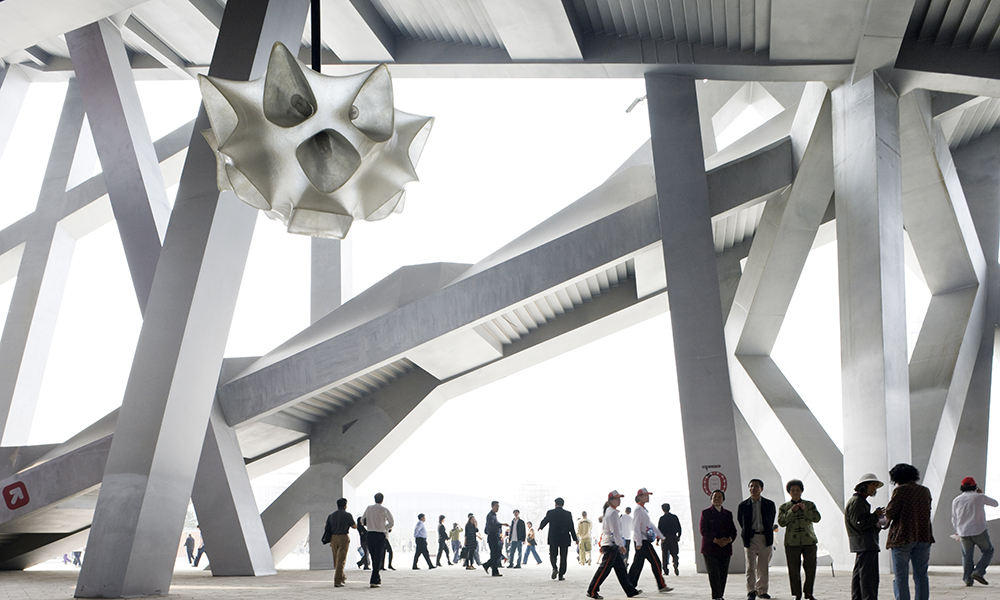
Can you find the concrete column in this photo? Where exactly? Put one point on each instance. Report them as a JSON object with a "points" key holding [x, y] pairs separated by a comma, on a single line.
{"points": [[41, 279], [868, 201], [168, 399], [693, 290], [131, 169], [330, 276], [13, 88]]}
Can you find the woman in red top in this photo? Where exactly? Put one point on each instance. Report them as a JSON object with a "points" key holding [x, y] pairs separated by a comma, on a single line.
{"points": [[717, 534]]}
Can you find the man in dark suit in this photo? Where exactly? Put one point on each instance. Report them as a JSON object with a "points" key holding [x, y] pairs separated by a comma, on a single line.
{"points": [[560, 534], [756, 518], [493, 529]]}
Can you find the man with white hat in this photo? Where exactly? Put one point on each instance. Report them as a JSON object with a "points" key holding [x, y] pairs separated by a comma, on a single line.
{"points": [[862, 532], [969, 518], [645, 534]]}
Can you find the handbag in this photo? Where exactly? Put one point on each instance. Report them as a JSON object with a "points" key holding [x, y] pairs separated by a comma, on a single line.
{"points": [[326, 537]]}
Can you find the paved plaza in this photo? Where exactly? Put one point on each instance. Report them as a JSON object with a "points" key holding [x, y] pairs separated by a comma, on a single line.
{"points": [[531, 582]]}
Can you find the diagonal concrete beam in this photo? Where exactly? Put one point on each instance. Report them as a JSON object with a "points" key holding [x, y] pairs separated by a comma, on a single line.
{"points": [[13, 88], [41, 279], [323, 364], [940, 225], [131, 169], [227, 512], [944, 68], [168, 399], [980, 179], [539, 30]]}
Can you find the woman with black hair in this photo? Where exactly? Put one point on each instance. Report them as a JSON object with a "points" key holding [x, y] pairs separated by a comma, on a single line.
{"points": [[718, 530], [797, 517], [910, 536]]}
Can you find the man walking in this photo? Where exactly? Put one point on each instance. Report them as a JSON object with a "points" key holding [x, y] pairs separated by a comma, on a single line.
{"points": [[560, 533], [189, 546], [379, 522], [493, 529], [517, 537], [969, 518], [756, 518], [644, 534], [670, 528], [338, 527], [627, 532], [456, 541], [420, 538], [584, 529]]}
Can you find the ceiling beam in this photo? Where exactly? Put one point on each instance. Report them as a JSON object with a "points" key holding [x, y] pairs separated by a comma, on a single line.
{"points": [[539, 30], [60, 17], [355, 31]]}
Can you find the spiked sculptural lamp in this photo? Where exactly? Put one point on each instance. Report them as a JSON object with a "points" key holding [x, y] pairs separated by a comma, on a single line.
{"points": [[313, 151]]}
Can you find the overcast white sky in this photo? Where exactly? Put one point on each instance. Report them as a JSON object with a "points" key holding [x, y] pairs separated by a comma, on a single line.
{"points": [[503, 156]]}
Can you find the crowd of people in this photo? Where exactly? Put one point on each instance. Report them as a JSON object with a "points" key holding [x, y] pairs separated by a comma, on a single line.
{"points": [[907, 517], [514, 544]]}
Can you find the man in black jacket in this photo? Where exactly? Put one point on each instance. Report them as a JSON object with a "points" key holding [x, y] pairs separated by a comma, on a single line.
{"points": [[756, 518], [493, 527], [517, 536], [670, 527], [560, 534]]}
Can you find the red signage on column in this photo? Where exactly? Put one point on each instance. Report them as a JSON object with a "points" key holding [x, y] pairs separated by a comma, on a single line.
{"points": [[714, 480], [15, 495]]}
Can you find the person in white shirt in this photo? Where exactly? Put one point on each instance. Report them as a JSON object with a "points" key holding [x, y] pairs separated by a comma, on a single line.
{"points": [[627, 532], [379, 522], [645, 534], [612, 551], [969, 518], [420, 537]]}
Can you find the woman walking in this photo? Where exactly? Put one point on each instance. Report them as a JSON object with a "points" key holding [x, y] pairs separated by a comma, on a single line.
{"points": [[469, 552], [612, 551], [718, 530], [910, 536], [531, 546], [797, 516]]}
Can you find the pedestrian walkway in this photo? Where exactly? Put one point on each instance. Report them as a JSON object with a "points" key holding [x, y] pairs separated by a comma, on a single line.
{"points": [[455, 583]]}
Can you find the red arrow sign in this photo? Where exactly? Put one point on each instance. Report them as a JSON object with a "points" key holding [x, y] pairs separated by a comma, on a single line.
{"points": [[15, 495]]}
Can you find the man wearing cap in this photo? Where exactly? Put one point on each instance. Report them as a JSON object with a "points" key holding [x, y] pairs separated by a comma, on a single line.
{"points": [[670, 527], [644, 535], [560, 534], [969, 518], [862, 534], [612, 551], [756, 518]]}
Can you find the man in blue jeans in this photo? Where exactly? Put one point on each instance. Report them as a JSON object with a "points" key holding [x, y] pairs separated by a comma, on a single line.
{"points": [[969, 518]]}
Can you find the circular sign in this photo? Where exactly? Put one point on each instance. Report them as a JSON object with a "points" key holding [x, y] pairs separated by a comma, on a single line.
{"points": [[713, 480]]}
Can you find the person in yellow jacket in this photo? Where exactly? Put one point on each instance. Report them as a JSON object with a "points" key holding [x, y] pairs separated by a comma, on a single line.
{"points": [[583, 530]]}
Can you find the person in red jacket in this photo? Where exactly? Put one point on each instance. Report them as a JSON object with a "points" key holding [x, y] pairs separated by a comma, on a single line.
{"points": [[717, 534]]}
